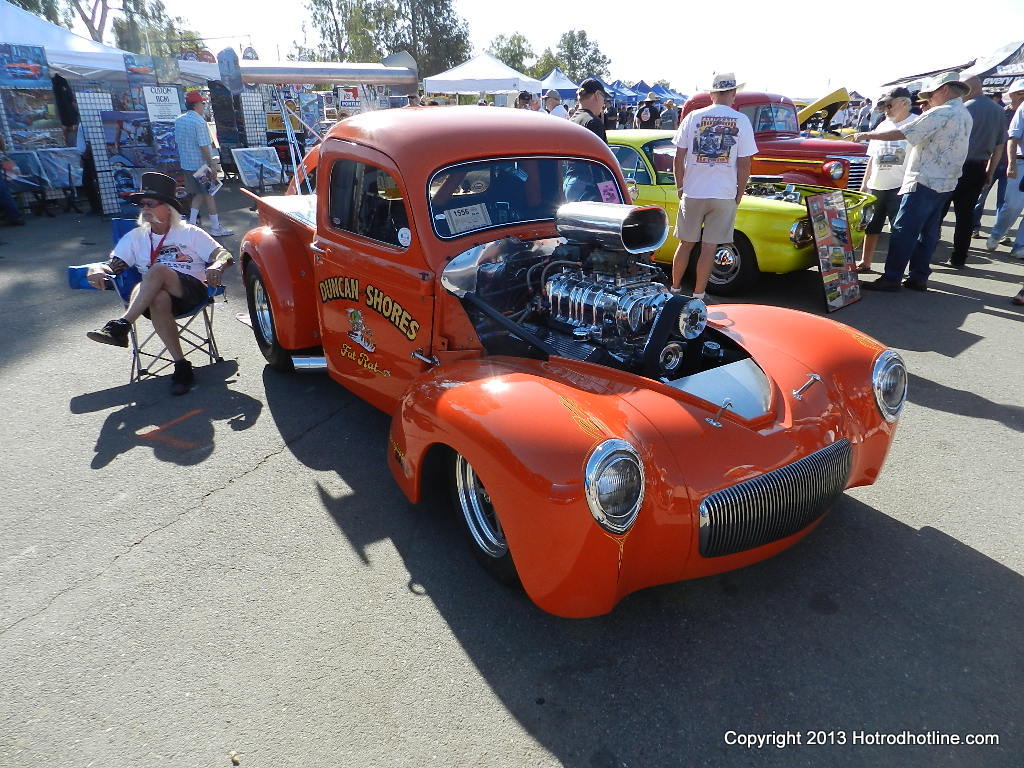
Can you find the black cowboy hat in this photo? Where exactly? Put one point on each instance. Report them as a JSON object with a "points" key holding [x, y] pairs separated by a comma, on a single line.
{"points": [[157, 186]]}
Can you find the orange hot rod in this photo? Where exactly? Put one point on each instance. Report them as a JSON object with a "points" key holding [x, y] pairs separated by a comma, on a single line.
{"points": [[475, 274]]}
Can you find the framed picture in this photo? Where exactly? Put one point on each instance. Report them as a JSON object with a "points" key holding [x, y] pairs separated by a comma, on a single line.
{"points": [[251, 161], [62, 166], [24, 66], [836, 259]]}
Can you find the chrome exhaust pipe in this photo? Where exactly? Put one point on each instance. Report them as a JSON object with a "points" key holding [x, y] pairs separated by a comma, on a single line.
{"points": [[309, 363]]}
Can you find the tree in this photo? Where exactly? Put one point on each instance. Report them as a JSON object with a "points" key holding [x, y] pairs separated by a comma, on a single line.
{"points": [[664, 84], [513, 49], [146, 27], [368, 30], [581, 56], [55, 11], [545, 63]]}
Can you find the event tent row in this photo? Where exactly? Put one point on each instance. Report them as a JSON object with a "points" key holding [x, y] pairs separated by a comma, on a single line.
{"points": [[74, 56]]}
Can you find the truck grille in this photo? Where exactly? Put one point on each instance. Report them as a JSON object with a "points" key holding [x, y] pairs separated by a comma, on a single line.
{"points": [[775, 505], [858, 165]]}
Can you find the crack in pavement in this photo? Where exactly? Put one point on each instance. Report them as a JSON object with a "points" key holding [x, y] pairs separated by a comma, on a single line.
{"points": [[284, 446]]}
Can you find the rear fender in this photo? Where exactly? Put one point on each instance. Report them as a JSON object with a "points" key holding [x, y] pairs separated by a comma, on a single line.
{"points": [[283, 260]]}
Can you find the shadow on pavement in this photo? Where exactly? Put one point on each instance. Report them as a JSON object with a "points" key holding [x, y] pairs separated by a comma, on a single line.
{"points": [[178, 429], [867, 625], [939, 397]]}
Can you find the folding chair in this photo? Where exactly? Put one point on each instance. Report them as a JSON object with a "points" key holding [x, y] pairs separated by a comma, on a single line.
{"points": [[193, 339]]}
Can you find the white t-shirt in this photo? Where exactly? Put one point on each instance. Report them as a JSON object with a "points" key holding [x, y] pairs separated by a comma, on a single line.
{"points": [[888, 158], [713, 138], [559, 111], [185, 249]]}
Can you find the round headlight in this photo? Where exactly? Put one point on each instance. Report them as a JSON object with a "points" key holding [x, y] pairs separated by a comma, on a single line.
{"points": [[834, 169], [889, 380], [865, 216], [614, 485]]}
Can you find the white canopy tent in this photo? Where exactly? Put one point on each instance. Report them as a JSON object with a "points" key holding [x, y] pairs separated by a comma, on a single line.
{"points": [[74, 56], [481, 74]]}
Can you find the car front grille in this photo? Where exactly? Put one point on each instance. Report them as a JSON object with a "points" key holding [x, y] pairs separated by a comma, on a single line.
{"points": [[775, 505], [858, 165]]}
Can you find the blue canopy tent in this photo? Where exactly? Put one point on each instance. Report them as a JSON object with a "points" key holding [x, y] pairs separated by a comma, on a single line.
{"points": [[557, 80], [628, 95], [642, 89], [662, 91]]}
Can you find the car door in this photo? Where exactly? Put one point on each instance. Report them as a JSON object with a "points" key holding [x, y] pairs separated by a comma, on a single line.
{"points": [[375, 289]]}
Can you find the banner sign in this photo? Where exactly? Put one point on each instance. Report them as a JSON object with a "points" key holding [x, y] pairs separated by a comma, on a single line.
{"points": [[162, 102], [832, 239], [230, 73], [23, 66]]}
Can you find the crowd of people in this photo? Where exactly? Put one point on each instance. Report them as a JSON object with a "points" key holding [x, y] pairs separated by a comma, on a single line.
{"points": [[960, 144]]}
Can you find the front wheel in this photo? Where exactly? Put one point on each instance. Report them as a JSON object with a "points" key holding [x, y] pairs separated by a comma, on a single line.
{"points": [[486, 537], [261, 317], [734, 269]]}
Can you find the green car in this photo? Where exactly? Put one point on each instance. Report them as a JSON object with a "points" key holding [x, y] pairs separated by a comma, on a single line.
{"points": [[773, 232]]}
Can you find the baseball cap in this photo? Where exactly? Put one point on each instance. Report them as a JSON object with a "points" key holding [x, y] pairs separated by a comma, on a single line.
{"points": [[591, 85], [553, 94], [895, 93], [525, 96], [192, 97]]}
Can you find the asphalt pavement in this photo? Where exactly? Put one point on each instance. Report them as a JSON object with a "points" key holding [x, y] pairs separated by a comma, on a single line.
{"points": [[235, 572]]}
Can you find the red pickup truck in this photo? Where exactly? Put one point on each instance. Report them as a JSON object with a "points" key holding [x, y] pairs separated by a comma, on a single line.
{"points": [[477, 275], [782, 151]]}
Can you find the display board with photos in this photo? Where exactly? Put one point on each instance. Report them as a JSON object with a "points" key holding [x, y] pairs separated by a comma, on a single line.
{"points": [[24, 66], [258, 166], [24, 172], [62, 166], [834, 244], [32, 118]]}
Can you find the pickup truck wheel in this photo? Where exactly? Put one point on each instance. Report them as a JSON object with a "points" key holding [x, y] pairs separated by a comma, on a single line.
{"points": [[486, 537], [261, 314], [734, 269]]}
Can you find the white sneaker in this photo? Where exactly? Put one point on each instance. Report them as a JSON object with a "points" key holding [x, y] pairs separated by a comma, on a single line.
{"points": [[1006, 241], [991, 244], [221, 232]]}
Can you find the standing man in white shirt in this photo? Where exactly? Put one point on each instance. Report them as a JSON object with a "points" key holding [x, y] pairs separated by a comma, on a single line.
{"points": [[712, 165], [553, 104], [939, 139], [887, 162], [194, 149]]}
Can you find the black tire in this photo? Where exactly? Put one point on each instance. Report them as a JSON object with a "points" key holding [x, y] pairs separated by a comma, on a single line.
{"points": [[735, 267], [261, 315], [483, 529]]}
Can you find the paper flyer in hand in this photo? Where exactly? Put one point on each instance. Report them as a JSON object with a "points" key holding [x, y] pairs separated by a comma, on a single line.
{"points": [[208, 179]]}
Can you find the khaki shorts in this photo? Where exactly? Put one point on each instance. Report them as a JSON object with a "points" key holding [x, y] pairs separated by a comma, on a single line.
{"points": [[716, 216]]}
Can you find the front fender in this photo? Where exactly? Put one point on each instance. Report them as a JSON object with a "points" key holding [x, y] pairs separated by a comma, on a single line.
{"points": [[283, 261], [527, 430]]}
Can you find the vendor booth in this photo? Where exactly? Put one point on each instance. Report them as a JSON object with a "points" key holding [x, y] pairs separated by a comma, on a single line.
{"points": [[481, 74], [997, 70], [557, 80]]}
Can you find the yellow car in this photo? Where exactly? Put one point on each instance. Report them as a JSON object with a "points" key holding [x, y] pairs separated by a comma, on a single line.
{"points": [[773, 232], [816, 118]]}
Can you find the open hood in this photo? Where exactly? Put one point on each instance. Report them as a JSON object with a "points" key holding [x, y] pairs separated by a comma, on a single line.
{"points": [[831, 103]]}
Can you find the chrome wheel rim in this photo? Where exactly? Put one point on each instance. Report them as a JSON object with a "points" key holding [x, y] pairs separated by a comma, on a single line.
{"points": [[263, 317], [479, 512], [726, 265]]}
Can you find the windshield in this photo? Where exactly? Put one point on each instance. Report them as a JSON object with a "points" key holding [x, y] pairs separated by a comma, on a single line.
{"points": [[779, 118], [471, 197]]}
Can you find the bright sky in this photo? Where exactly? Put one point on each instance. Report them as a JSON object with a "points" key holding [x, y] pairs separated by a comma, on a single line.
{"points": [[794, 48]]}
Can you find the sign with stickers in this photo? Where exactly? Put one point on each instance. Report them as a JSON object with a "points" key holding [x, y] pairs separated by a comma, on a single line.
{"points": [[834, 245]]}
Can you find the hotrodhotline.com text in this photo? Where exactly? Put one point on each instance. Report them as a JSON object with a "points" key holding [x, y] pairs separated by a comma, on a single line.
{"points": [[812, 738]]}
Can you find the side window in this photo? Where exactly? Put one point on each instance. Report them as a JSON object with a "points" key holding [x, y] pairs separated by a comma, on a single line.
{"points": [[366, 201], [632, 164]]}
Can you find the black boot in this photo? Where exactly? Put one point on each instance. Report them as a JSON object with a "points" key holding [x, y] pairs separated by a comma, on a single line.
{"points": [[114, 332], [182, 378]]}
